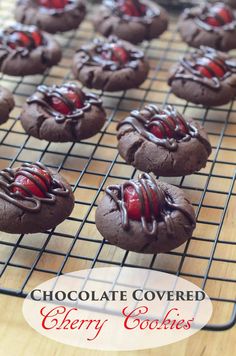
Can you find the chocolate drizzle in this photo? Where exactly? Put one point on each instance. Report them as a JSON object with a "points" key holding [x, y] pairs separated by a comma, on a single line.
{"points": [[187, 69], [208, 11], [22, 48], [145, 17], [31, 202], [167, 118], [147, 184], [44, 94], [93, 56]]}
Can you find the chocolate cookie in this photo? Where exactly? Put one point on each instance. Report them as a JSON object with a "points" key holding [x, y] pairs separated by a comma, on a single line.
{"points": [[51, 15], [205, 76], [161, 141], [110, 65], [24, 50], [131, 20], [145, 216], [209, 25], [62, 114], [33, 199], [6, 104]]}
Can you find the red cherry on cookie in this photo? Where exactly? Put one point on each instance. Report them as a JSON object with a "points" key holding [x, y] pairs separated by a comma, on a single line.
{"points": [[167, 132], [30, 184], [53, 4], [221, 15], [117, 54], [37, 37], [159, 133], [210, 68], [23, 39], [120, 55], [168, 125], [133, 204], [132, 8], [18, 39], [59, 105], [155, 130], [183, 128]]}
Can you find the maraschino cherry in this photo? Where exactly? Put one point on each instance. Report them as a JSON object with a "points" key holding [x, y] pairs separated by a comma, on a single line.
{"points": [[53, 4], [210, 68], [219, 15], [132, 8], [166, 131], [116, 54], [21, 39], [61, 106], [133, 203], [28, 183]]}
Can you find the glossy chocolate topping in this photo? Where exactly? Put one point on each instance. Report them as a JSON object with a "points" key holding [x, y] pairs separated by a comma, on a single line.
{"points": [[44, 94], [30, 202], [147, 184], [187, 69], [165, 119], [145, 12], [17, 39], [93, 56]]}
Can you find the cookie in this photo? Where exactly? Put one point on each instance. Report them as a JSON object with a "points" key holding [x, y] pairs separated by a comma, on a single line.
{"points": [[205, 76], [212, 25], [62, 113], [110, 65], [145, 215], [25, 50], [33, 199], [6, 104], [51, 15], [161, 141], [131, 20]]}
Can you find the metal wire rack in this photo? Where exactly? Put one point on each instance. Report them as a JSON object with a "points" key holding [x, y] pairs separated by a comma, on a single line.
{"points": [[207, 260]]}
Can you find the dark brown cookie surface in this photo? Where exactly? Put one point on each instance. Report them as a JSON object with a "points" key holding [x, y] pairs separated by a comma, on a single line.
{"points": [[212, 25], [51, 15], [25, 50], [110, 65], [131, 20], [205, 76], [33, 199], [145, 216], [161, 141], [62, 113], [6, 104]]}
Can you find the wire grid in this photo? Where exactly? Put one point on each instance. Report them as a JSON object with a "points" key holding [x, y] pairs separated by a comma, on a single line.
{"points": [[208, 259]]}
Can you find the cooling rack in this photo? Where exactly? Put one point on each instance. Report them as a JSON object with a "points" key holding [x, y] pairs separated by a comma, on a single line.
{"points": [[208, 259]]}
